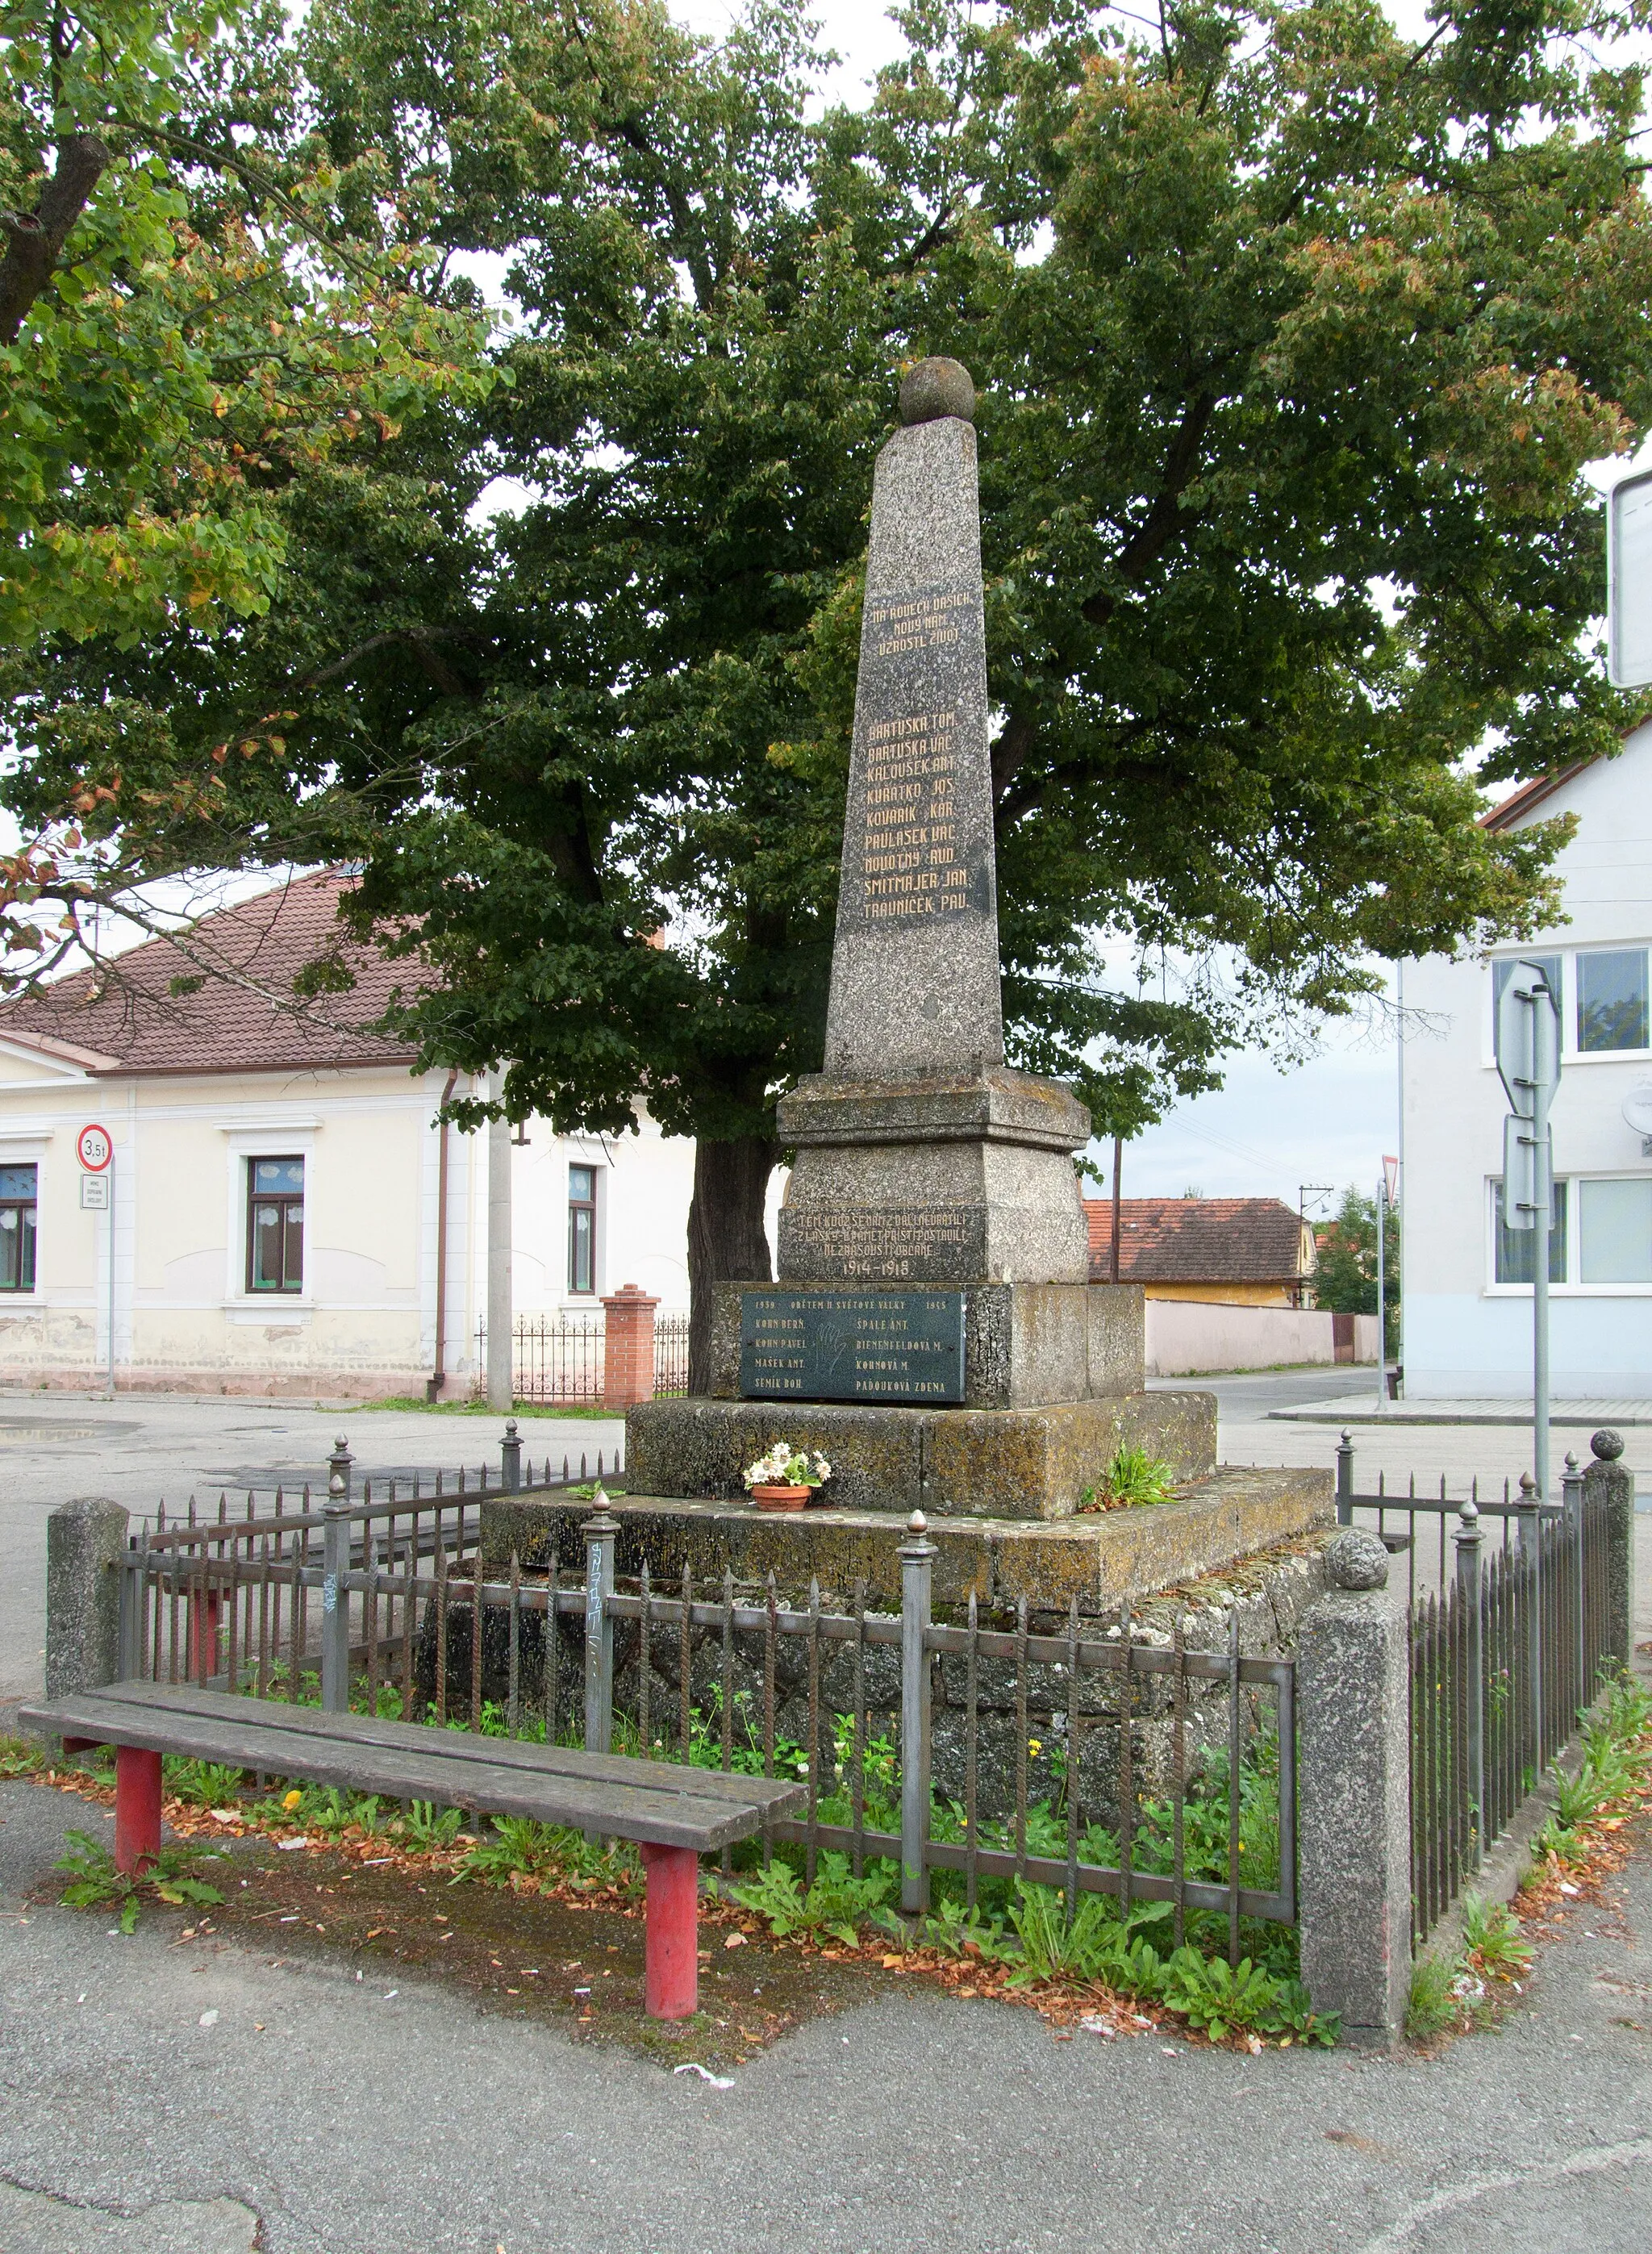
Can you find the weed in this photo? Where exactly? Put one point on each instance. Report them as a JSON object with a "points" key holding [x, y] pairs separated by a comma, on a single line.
{"points": [[19, 1758], [1432, 2006], [202, 1783], [516, 1848], [1242, 1998], [1491, 1940], [1133, 1479], [838, 1903], [94, 1879], [424, 1825]]}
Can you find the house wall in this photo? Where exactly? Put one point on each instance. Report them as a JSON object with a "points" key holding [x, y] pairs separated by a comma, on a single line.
{"points": [[1185, 1336], [364, 1322], [1464, 1332]]}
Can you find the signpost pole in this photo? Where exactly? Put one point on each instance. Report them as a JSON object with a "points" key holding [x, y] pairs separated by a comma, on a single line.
{"points": [[111, 1179], [1382, 1292], [1543, 1168]]}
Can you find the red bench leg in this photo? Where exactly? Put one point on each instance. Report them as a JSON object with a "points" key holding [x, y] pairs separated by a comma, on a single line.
{"points": [[671, 1982], [137, 1810]]}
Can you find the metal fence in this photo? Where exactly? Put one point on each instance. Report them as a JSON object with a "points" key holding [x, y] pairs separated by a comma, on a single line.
{"points": [[560, 1358], [1081, 1755], [1510, 1632]]}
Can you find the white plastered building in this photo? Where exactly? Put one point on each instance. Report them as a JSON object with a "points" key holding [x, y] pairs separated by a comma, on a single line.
{"points": [[1467, 1307], [281, 1222]]}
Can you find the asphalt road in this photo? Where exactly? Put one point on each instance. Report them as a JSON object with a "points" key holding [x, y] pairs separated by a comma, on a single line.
{"points": [[141, 1449], [161, 2100]]}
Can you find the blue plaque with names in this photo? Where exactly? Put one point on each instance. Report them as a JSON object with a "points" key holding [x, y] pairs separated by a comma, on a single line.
{"points": [[851, 1345]]}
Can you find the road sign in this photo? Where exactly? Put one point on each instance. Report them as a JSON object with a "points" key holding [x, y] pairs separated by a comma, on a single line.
{"points": [[1528, 1039], [1629, 582], [95, 1192], [94, 1147]]}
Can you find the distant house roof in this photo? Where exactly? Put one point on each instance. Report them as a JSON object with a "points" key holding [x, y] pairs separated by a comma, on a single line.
{"points": [[1179, 1240], [128, 1020]]}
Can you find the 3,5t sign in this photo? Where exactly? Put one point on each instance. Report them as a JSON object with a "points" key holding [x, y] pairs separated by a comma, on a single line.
{"points": [[94, 1147]]}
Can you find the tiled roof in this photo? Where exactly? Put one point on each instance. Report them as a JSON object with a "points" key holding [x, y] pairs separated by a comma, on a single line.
{"points": [[1529, 796], [1177, 1240], [127, 1019]]}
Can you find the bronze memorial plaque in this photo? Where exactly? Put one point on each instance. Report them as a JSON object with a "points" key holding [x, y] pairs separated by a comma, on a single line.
{"points": [[851, 1345]]}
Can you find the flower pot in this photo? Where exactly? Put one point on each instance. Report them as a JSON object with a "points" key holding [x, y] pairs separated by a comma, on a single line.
{"points": [[781, 1498]]}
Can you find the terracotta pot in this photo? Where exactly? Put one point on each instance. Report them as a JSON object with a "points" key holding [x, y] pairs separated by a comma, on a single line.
{"points": [[781, 1498]]}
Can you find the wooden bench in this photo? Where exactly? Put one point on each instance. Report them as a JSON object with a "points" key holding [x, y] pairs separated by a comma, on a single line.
{"points": [[675, 1814]]}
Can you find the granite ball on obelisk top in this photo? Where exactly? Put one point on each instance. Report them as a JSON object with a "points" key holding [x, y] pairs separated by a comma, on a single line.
{"points": [[931, 388]]}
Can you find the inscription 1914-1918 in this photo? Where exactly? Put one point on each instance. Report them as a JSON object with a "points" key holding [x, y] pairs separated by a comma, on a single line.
{"points": [[851, 1345]]}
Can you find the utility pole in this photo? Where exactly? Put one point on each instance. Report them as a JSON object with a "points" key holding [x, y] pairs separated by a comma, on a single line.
{"points": [[1529, 1064], [501, 1372]]}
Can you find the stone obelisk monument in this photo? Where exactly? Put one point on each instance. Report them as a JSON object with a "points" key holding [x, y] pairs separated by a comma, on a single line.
{"points": [[934, 1330]]}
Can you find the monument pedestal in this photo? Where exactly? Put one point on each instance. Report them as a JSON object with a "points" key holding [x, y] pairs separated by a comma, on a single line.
{"points": [[989, 1463]]}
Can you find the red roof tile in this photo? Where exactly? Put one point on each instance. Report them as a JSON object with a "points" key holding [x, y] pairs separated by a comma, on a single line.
{"points": [[1198, 1241], [130, 1021]]}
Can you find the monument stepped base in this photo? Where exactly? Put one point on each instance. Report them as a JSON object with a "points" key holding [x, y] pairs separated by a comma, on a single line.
{"points": [[1099, 1558], [991, 1463]]}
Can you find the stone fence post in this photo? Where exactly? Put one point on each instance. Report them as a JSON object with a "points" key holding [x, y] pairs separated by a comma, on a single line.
{"points": [[1609, 1478], [627, 1354], [1354, 1794], [85, 1542]]}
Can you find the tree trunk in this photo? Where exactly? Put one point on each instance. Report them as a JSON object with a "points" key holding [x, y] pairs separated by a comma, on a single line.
{"points": [[727, 1242]]}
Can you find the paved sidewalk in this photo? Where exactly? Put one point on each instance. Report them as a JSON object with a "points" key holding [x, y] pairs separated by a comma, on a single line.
{"points": [[179, 2100], [1364, 1407]]}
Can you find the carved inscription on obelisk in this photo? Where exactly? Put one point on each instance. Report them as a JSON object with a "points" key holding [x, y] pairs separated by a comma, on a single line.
{"points": [[915, 967]]}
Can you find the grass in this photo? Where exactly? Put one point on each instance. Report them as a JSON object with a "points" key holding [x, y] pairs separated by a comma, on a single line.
{"points": [[1131, 1481], [1453, 1995]]}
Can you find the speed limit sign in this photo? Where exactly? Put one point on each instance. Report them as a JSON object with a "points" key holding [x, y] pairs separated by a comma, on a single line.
{"points": [[94, 1147]]}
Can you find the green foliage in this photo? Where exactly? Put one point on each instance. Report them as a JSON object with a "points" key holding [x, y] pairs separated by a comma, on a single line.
{"points": [[1616, 1758], [204, 1784], [21, 1757], [94, 1880], [425, 1826], [516, 1847], [1293, 336], [1492, 1938], [838, 1903], [207, 330], [1133, 1478], [1345, 1273], [1433, 2004]]}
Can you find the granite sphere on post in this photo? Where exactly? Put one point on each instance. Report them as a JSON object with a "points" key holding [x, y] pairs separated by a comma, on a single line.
{"points": [[1606, 1444], [1356, 1558], [931, 388]]}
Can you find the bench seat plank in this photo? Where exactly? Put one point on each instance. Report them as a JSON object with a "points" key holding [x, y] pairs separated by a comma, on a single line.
{"points": [[657, 1801], [171, 1698]]}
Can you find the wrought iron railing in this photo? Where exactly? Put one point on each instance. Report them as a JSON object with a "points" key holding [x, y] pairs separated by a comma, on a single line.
{"points": [[1511, 1633], [1142, 1782]]}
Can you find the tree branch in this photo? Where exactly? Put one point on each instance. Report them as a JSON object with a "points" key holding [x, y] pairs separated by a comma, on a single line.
{"points": [[35, 240]]}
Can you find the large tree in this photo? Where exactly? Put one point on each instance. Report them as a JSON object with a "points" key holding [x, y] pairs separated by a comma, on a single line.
{"points": [[1293, 338]]}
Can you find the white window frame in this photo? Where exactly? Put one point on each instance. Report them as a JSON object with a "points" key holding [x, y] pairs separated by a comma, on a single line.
{"points": [[1571, 1055], [25, 1147], [568, 1300], [276, 1138], [1572, 1289]]}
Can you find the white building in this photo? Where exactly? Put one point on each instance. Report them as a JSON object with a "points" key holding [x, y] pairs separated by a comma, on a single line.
{"points": [[1467, 1309], [287, 1210]]}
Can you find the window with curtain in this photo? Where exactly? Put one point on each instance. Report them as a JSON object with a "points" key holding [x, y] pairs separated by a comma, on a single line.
{"points": [[1516, 1248], [18, 1203], [582, 1229], [274, 1224]]}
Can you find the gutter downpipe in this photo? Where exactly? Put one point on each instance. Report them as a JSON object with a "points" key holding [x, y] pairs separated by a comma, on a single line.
{"points": [[438, 1375]]}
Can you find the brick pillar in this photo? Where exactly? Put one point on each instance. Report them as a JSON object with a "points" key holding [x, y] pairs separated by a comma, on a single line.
{"points": [[627, 1367]]}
